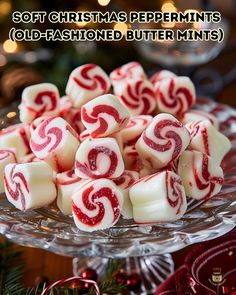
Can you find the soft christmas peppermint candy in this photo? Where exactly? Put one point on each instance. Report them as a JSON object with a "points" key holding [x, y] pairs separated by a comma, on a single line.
{"points": [[97, 205]]}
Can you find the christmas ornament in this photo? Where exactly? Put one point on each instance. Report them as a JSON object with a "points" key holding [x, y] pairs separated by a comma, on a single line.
{"points": [[89, 274], [133, 282]]}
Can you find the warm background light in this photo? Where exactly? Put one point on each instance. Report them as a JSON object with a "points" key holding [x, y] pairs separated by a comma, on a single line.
{"points": [[103, 2], [3, 60], [168, 7], [122, 27], [9, 46], [81, 24], [5, 7]]}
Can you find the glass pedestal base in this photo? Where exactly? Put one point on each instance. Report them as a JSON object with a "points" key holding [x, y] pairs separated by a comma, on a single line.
{"points": [[152, 270]]}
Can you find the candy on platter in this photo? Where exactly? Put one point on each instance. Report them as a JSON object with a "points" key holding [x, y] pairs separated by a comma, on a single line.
{"points": [[99, 158], [202, 177], [175, 95], [84, 135], [96, 205], [7, 156], [137, 95], [16, 137], [158, 198], [159, 76], [135, 127], [37, 122], [29, 185], [207, 139], [85, 83], [128, 71], [135, 163], [29, 158], [65, 106], [39, 100], [104, 115], [163, 141], [66, 183], [56, 142], [198, 115], [124, 182]]}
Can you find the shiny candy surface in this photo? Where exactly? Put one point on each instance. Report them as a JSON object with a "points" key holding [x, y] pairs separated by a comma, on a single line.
{"points": [[49, 229], [85, 83]]}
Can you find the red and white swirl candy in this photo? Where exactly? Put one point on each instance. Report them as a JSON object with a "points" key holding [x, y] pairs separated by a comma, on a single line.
{"points": [[66, 183], [16, 137], [85, 83], [134, 162], [198, 115], [175, 95], [202, 177], [137, 95], [128, 71], [159, 76], [7, 156], [56, 142], [207, 139], [29, 158], [37, 122], [29, 185], [104, 115], [97, 205], [124, 182], [65, 106], [39, 100], [74, 119], [135, 127], [163, 141], [99, 158], [158, 198]]}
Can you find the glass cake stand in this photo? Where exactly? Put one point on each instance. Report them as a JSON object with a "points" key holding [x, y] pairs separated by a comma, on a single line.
{"points": [[144, 248]]}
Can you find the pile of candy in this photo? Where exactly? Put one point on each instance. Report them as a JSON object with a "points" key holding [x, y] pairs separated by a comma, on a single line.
{"points": [[137, 153]]}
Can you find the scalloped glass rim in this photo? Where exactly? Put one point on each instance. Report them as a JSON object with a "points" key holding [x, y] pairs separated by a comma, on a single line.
{"points": [[49, 229]]}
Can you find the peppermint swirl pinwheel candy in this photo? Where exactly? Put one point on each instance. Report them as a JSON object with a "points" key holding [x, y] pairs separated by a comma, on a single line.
{"points": [[99, 158], [85, 83], [163, 141], [55, 142], [134, 162], [104, 115], [158, 198], [29, 158], [128, 71], [175, 95], [34, 124], [137, 124], [66, 183], [65, 106], [124, 182], [7, 156], [207, 139], [84, 135], [74, 119], [198, 115], [202, 177], [160, 76], [137, 95], [97, 205], [16, 137], [39, 100], [29, 185]]}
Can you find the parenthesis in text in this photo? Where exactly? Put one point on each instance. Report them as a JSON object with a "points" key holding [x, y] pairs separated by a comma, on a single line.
{"points": [[12, 34], [220, 35]]}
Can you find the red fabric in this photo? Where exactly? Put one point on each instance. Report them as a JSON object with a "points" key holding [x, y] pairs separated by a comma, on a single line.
{"points": [[209, 269]]}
